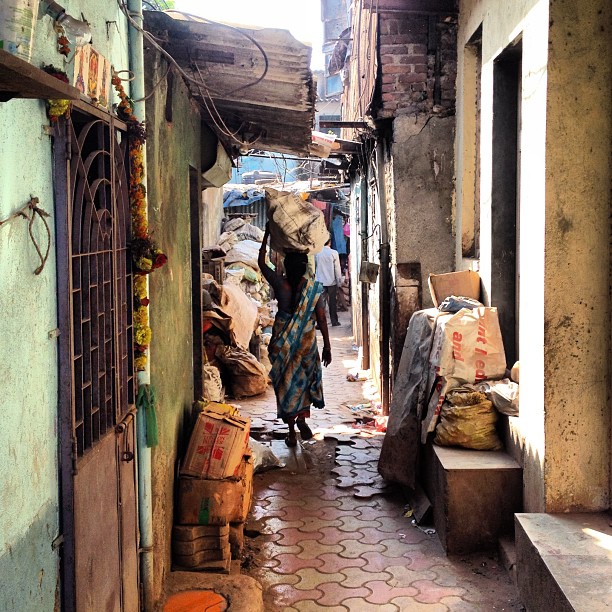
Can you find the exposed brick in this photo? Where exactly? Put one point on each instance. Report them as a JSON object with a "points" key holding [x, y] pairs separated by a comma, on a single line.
{"points": [[395, 39], [418, 87], [419, 68], [413, 24], [393, 69], [388, 88], [394, 49], [391, 97], [388, 78], [418, 59], [410, 77], [389, 26], [417, 49]]}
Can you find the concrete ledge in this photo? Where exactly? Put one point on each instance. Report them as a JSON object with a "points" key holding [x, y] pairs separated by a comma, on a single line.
{"points": [[474, 494], [243, 593], [564, 561]]}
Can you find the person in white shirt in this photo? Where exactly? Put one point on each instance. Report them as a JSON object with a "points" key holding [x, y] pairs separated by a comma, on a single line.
{"points": [[328, 273]]}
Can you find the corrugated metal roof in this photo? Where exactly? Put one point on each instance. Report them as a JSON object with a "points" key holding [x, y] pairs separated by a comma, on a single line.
{"points": [[259, 80]]}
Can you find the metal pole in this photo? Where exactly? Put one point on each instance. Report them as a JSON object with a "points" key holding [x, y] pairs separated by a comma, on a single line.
{"points": [[385, 278]]}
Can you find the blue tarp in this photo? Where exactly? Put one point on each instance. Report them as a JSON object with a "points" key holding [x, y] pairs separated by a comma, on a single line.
{"points": [[242, 197]]}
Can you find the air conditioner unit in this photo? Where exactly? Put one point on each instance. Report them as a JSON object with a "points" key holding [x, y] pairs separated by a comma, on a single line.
{"points": [[220, 172]]}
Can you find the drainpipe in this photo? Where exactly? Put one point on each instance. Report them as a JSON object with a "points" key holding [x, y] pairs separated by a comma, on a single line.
{"points": [[385, 278], [365, 288], [145, 499]]}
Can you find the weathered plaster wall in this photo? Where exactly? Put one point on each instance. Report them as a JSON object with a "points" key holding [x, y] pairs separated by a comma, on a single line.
{"points": [[172, 148], [422, 153], [212, 214], [577, 265], [562, 436], [28, 370], [501, 24], [29, 489]]}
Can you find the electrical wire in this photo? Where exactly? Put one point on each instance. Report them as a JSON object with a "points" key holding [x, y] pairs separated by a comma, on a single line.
{"points": [[199, 19], [198, 83]]}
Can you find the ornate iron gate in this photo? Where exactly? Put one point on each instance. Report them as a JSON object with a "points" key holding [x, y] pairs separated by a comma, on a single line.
{"points": [[97, 384]]}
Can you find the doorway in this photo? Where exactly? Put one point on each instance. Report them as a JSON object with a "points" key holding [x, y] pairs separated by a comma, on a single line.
{"points": [[97, 384], [505, 195]]}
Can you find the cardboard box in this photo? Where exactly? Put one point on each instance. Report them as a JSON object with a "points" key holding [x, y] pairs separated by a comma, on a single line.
{"points": [[215, 502], [217, 445], [465, 283]]}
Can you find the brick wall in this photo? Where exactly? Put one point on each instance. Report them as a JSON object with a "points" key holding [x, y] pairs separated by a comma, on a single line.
{"points": [[418, 64]]}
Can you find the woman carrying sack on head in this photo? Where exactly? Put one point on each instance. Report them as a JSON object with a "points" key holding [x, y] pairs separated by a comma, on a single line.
{"points": [[296, 367]]}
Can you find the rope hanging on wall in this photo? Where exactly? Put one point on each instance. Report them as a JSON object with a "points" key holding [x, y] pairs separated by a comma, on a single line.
{"points": [[36, 210]]}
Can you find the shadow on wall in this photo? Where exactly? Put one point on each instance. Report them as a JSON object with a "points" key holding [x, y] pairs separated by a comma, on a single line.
{"points": [[29, 569]]}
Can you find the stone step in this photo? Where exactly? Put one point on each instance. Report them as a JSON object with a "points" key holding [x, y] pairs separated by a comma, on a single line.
{"points": [[564, 561], [474, 496]]}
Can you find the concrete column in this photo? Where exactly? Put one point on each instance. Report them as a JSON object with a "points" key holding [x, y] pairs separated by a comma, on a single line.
{"points": [[577, 260]]}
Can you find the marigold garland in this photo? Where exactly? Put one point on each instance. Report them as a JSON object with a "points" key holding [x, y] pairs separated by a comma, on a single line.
{"points": [[145, 253]]}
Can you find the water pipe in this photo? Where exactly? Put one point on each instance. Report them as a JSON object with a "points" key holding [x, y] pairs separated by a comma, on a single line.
{"points": [[145, 499]]}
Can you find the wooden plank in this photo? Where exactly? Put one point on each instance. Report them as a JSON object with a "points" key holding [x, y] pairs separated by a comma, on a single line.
{"points": [[412, 6], [19, 79]]}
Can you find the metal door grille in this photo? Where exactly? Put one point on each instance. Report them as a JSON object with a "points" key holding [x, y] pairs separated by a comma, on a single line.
{"points": [[101, 279]]}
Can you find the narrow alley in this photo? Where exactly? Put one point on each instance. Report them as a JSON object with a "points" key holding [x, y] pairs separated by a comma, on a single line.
{"points": [[326, 533]]}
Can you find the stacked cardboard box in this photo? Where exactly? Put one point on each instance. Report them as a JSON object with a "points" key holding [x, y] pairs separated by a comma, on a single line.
{"points": [[202, 547], [215, 490]]}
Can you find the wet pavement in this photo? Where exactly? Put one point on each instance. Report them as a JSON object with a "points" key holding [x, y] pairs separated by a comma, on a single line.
{"points": [[326, 533]]}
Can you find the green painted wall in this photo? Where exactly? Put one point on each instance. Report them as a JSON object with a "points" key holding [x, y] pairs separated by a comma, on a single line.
{"points": [[29, 497], [172, 148]]}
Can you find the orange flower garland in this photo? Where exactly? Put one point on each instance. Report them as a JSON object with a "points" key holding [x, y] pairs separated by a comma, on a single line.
{"points": [[146, 256]]}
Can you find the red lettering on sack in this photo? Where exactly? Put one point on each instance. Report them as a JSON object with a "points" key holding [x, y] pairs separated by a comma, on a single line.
{"points": [[208, 427], [217, 454], [457, 338], [480, 351]]}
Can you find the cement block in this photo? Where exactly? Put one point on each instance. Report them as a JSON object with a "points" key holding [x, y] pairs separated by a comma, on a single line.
{"points": [[474, 494], [564, 562]]}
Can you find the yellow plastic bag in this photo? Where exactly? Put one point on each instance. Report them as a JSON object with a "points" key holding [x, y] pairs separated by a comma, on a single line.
{"points": [[471, 426]]}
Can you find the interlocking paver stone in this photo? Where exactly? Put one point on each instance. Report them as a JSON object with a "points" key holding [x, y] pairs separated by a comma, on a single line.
{"points": [[310, 578], [402, 576], [333, 563], [313, 606], [291, 535], [289, 564], [357, 577], [353, 549], [311, 549], [334, 593], [382, 592], [430, 592], [360, 605], [332, 549]]}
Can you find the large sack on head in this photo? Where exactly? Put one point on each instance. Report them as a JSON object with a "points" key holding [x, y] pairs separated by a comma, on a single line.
{"points": [[246, 376], [295, 225]]}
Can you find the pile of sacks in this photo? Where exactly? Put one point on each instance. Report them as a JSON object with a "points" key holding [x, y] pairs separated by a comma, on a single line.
{"points": [[238, 314], [467, 353]]}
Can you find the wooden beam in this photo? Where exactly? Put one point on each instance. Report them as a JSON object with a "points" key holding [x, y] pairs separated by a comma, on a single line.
{"points": [[412, 6], [342, 124]]}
